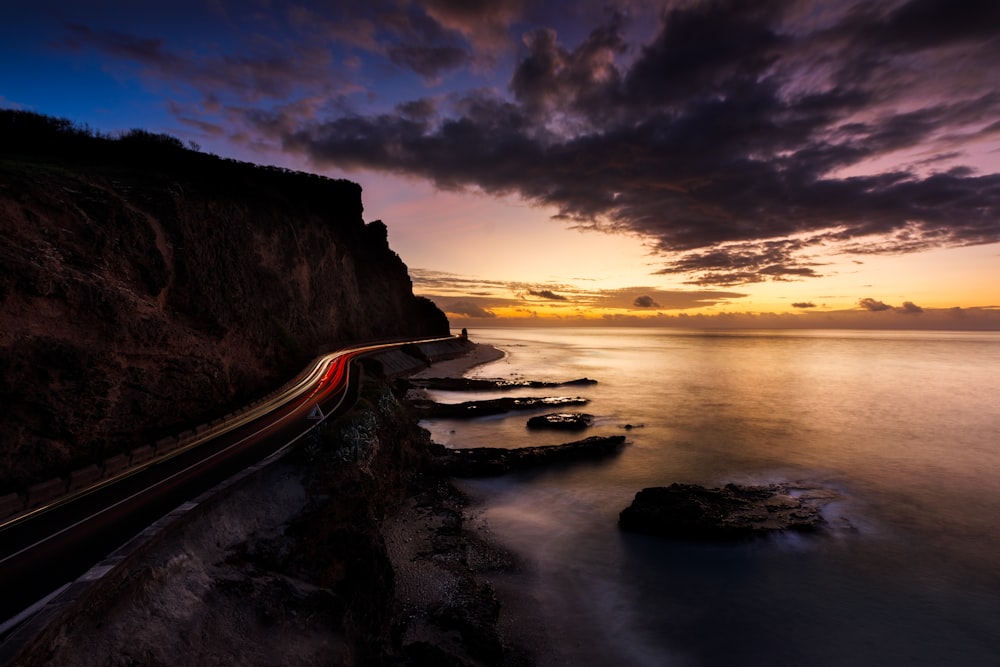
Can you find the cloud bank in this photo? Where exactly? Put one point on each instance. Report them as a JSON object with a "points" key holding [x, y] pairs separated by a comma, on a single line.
{"points": [[745, 140]]}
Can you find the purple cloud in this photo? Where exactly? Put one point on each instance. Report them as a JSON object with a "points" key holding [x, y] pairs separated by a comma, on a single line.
{"points": [[909, 308], [467, 308], [873, 305], [645, 301], [739, 138]]}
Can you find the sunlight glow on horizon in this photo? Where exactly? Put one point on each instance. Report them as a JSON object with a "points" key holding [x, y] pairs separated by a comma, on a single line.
{"points": [[748, 180]]}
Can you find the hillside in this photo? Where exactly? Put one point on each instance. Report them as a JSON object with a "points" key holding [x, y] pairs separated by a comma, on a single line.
{"points": [[146, 287]]}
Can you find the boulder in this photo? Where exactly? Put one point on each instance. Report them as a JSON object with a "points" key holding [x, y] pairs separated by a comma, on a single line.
{"points": [[494, 406], [490, 461], [491, 384], [563, 421], [731, 513]]}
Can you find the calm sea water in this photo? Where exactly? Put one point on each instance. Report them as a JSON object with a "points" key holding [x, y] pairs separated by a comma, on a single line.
{"points": [[903, 426]]}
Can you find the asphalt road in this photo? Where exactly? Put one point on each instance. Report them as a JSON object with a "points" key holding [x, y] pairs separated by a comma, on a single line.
{"points": [[55, 544]]}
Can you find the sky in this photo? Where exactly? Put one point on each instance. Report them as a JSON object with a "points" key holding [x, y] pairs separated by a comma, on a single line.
{"points": [[776, 163]]}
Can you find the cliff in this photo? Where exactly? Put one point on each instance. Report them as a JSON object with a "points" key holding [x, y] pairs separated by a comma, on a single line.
{"points": [[145, 287]]}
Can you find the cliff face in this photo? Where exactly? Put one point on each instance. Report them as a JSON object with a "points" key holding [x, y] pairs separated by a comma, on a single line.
{"points": [[145, 287]]}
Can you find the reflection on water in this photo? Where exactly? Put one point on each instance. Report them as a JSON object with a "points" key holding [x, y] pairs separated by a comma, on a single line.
{"points": [[904, 427]]}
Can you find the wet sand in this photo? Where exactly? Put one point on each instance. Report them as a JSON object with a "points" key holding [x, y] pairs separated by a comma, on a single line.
{"points": [[480, 354]]}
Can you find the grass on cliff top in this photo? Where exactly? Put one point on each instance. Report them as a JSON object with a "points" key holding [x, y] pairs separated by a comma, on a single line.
{"points": [[28, 139]]}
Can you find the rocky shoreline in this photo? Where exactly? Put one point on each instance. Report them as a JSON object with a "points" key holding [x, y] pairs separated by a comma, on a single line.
{"points": [[351, 551], [357, 549]]}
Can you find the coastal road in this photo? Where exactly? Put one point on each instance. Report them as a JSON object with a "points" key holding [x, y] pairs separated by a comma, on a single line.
{"points": [[52, 545]]}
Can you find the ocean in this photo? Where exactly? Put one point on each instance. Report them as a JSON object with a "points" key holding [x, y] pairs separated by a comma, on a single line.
{"points": [[901, 428]]}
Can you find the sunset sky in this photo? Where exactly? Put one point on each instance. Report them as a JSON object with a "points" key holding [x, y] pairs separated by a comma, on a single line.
{"points": [[730, 163]]}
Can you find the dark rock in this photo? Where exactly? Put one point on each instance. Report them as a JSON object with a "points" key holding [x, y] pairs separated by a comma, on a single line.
{"points": [[490, 461], [495, 406], [563, 421], [487, 384], [734, 512]]}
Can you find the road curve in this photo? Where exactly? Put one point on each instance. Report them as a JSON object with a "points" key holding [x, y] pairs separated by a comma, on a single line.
{"points": [[46, 548]]}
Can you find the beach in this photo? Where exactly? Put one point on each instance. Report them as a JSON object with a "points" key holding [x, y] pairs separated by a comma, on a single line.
{"points": [[443, 563]]}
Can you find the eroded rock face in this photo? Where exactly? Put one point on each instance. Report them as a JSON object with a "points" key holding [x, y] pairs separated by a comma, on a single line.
{"points": [[562, 421], [731, 513]]}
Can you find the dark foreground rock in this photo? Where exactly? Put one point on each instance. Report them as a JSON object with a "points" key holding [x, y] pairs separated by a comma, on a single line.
{"points": [[351, 551], [492, 384], [734, 512], [490, 461], [495, 406], [562, 421]]}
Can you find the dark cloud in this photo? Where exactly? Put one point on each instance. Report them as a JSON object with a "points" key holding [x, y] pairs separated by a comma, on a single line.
{"points": [[425, 46], [467, 308], [676, 299], [422, 110], [547, 294], [645, 301], [445, 289], [551, 77], [873, 305], [925, 24], [909, 308], [484, 24], [120, 44], [725, 131], [429, 61], [740, 138], [804, 304], [447, 284], [263, 70]]}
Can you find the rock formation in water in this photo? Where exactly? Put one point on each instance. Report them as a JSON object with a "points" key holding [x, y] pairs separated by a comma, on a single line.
{"points": [[428, 409], [731, 513], [145, 287], [562, 421], [492, 461], [492, 384]]}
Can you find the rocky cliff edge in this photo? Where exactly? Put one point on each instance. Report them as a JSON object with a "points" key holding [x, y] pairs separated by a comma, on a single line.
{"points": [[146, 287]]}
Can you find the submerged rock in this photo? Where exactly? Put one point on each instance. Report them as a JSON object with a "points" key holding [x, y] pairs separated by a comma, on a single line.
{"points": [[563, 421], [495, 406], [489, 461], [486, 384], [734, 512]]}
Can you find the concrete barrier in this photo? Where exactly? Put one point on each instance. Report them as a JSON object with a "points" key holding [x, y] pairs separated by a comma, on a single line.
{"points": [[11, 504], [444, 349], [43, 492], [141, 454], [115, 464], [396, 362], [83, 477]]}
